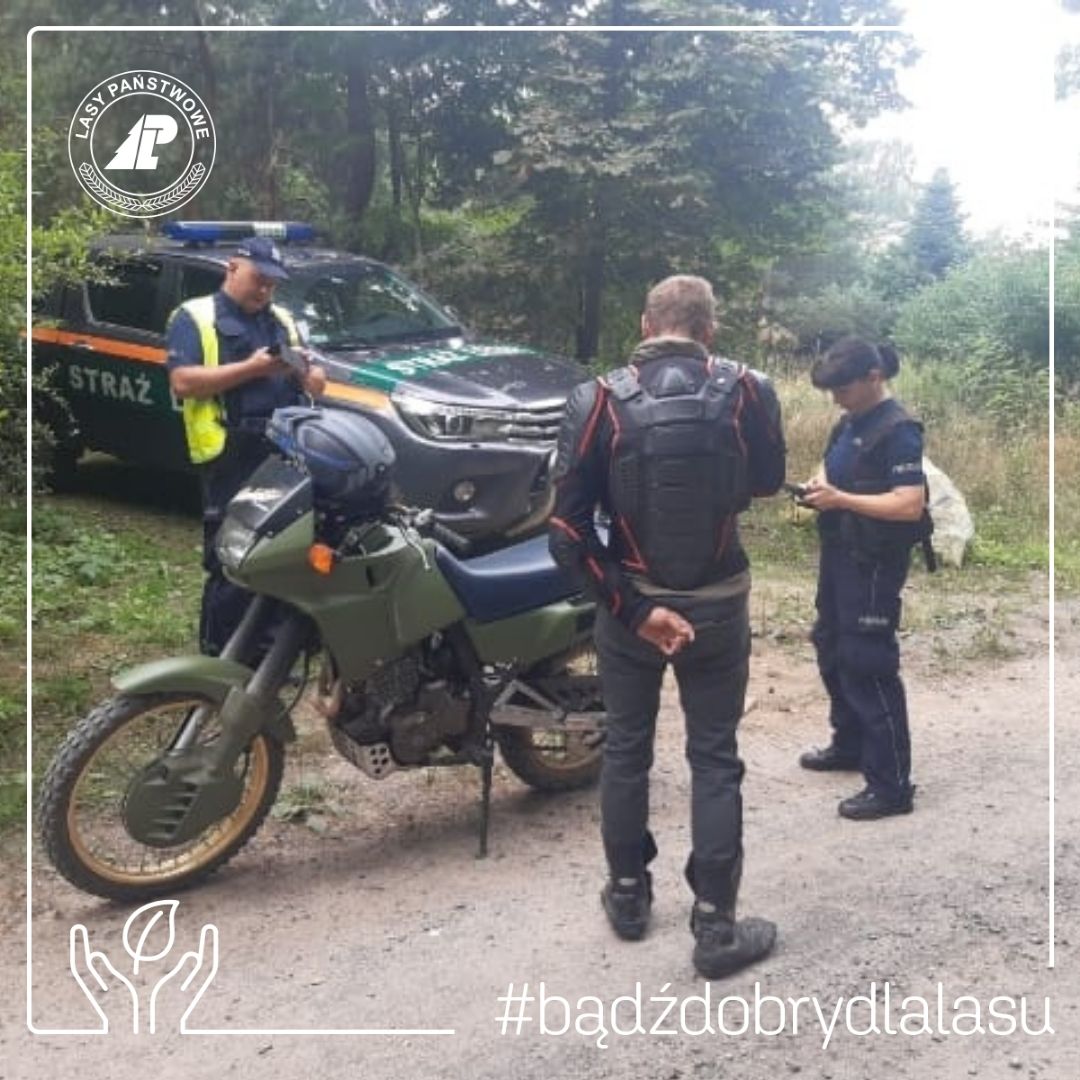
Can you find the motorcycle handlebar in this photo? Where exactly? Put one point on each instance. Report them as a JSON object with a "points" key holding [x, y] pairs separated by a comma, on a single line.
{"points": [[424, 522], [457, 543]]}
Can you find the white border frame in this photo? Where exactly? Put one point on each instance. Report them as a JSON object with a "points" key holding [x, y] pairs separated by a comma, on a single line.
{"points": [[450, 29]]}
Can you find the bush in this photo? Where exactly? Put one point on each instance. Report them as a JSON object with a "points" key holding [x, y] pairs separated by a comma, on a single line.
{"points": [[835, 312], [986, 326], [998, 302], [61, 254]]}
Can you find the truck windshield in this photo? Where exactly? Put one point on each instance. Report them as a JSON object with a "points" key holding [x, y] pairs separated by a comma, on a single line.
{"points": [[361, 307]]}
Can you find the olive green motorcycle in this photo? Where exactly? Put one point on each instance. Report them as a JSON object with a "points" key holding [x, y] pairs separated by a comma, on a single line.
{"points": [[424, 659]]}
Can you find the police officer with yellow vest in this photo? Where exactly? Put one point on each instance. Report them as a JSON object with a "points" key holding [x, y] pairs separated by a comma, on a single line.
{"points": [[222, 366]]}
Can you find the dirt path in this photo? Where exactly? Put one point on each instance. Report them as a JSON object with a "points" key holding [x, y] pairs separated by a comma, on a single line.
{"points": [[385, 918]]}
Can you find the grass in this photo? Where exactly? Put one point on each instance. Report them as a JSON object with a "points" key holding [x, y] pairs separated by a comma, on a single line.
{"points": [[115, 582], [12, 671], [1067, 498]]}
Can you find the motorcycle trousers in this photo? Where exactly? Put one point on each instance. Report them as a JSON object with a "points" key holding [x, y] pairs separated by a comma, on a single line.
{"points": [[711, 674]]}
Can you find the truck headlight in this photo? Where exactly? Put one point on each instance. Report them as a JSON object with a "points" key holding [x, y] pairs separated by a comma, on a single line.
{"points": [[436, 420]]}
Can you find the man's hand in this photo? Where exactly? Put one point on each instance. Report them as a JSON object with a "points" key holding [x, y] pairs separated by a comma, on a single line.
{"points": [[667, 630], [262, 363], [314, 381]]}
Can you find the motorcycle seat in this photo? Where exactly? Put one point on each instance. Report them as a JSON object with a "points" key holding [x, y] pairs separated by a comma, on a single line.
{"points": [[506, 582]]}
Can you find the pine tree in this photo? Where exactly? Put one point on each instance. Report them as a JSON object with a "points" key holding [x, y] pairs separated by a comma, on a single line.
{"points": [[936, 239], [933, 243]]}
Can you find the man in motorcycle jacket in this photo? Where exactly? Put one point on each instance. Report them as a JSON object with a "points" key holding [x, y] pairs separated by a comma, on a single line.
{"points": [[224, 365], [671, 447]]}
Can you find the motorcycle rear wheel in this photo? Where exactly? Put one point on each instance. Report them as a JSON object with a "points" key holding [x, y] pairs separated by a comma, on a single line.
{"points": [[82, 799], [548, 759]]}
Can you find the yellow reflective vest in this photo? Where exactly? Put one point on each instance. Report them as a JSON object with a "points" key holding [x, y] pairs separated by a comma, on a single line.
{"points": [[204, 418]]}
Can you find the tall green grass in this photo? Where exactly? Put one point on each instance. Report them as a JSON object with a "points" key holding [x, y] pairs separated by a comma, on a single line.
{"points": [[1067, 496]]}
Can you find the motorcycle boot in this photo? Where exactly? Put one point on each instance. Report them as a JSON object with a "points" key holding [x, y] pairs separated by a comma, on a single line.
{"points": [[723, 945], [628, 905], [627, 896]]}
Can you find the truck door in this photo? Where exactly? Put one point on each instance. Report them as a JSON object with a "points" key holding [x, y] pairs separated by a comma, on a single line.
{"points": [[112, 354]]}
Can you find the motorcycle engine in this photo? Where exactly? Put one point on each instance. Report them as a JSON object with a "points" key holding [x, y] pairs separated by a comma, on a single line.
{"points": [[402, 712]]}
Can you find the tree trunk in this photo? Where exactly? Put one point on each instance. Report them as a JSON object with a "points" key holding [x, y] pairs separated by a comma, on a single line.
{"points": [[271, 187], [414, 187], [361, 128], [208, 91], [594, 270], [393, 138]]}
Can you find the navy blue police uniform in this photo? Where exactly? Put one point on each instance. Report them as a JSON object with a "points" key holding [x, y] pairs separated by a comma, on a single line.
{"points": [[863, 566], [247, 409]]}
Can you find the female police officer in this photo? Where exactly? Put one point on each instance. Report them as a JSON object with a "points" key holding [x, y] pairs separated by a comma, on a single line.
{"points": [[871, 493]]}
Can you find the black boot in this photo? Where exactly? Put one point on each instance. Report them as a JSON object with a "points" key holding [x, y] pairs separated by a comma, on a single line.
{"points": [[870, 805], [628, 904], [723, 946], [627, 896], [828, 759]]}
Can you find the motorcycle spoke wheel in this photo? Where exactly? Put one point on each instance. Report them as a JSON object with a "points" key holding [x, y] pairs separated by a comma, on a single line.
{"points": [[554, 759], [84, 792]]}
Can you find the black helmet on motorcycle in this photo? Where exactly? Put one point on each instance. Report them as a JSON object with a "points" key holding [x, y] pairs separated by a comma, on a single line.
{"points": [[347, 457]]}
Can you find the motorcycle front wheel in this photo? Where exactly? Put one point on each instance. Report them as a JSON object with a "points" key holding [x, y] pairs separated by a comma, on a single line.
{"points": [[83, 793]]}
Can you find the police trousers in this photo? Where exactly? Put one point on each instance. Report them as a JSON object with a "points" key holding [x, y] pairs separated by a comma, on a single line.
{"points": [[223, 603], [858, 612], [711, 674]]}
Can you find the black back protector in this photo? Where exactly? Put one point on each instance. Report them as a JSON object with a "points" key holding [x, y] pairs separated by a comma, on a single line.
{"points": [[678, 469]]}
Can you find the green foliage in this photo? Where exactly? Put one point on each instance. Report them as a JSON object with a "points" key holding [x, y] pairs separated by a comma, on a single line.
{"points": [[12, 319], [820, 319], [933, 243], [636, 155], [652, 154], [109, 588], [12, 673], [92, 578], [61, 254], [986, 324]]}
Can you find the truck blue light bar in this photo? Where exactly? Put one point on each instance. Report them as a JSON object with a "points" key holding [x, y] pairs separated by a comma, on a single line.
{"points": [[211, 232]]}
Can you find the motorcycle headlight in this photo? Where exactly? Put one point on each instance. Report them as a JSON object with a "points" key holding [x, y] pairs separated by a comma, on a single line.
{"points": [[234, 542], [451, 422]]}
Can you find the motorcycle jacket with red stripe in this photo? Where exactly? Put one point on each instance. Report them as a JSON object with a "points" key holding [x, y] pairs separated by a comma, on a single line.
{"points": [[671, 448]]}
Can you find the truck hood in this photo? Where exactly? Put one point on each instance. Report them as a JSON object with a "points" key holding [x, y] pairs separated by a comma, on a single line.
{"points": [[461, 372]]}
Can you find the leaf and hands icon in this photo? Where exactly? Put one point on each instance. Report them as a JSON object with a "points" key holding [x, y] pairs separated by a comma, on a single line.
{"points": [[149, 936]]}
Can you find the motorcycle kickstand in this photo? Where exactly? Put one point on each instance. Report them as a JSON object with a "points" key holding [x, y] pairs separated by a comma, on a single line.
{"points": [[487, 764]]}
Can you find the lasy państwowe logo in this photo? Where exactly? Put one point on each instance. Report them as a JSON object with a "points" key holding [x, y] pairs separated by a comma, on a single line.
{"points": [[142, 143]]}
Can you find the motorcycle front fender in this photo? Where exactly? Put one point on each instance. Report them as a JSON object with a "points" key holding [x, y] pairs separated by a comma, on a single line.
{"points": [[208, 676]]}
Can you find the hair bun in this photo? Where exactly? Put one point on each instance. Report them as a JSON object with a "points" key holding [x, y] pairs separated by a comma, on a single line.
{"points": [[890, 359]]}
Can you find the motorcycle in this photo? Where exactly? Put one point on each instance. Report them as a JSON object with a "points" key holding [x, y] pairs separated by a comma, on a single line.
{"points": [[428, 659]]}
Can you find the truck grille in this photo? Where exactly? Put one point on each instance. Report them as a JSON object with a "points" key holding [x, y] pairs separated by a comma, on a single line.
{"points": [[540, 427]]}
